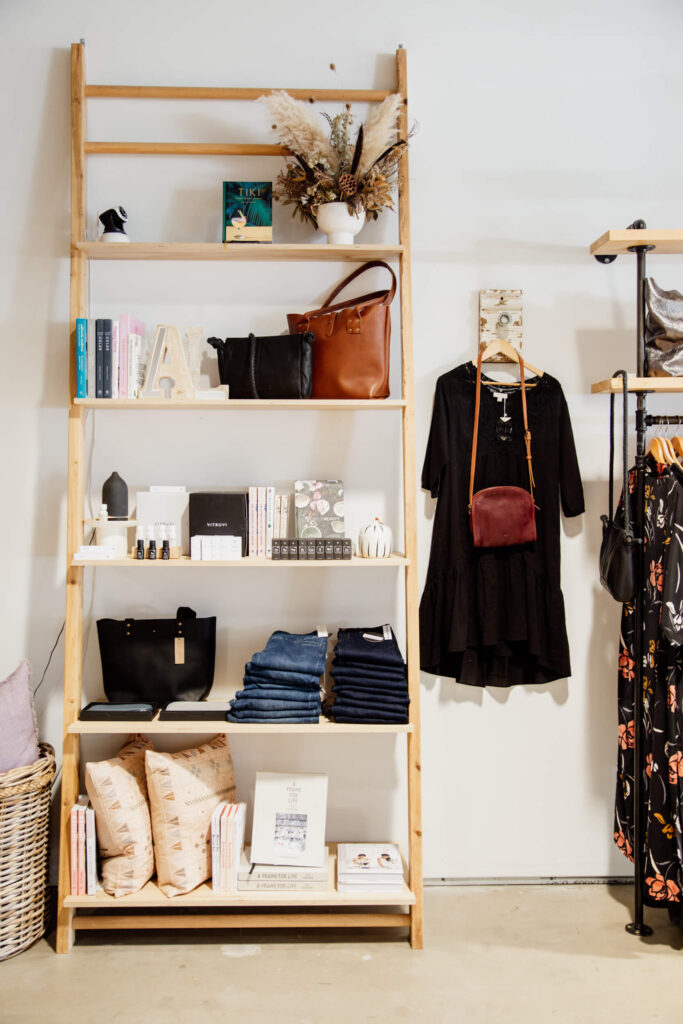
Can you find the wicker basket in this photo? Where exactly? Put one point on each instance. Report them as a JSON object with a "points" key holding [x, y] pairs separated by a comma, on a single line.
{"points": [[24, 813]]}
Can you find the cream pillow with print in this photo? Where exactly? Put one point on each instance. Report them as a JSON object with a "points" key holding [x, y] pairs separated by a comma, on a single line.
{"points": [[184, 790], [118, 792]]}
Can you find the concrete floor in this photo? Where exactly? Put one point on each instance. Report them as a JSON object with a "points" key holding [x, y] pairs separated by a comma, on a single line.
{"points": [[493, 955]]}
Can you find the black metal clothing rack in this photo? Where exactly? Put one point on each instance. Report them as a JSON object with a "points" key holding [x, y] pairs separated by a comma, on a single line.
{"points": [[643, 421]]}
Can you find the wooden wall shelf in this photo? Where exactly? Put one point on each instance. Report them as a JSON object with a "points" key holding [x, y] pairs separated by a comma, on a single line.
{"points": [[235, 728], [248, 252], [615, 243], [295, 404], [164, 565], [661, 385]]}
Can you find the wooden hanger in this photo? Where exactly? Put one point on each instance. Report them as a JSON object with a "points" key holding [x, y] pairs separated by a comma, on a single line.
{"points": [[499, 346], [660, 452], [677, 444]]}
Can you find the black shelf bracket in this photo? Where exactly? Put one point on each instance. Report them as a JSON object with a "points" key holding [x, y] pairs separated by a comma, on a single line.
{"points": [[638, 225]]}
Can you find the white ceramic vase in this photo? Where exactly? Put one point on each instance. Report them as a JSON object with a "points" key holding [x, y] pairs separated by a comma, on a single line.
{"points": [[340, 226], [375, 540]]}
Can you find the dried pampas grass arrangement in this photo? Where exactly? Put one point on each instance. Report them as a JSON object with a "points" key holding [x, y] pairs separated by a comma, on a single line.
{"points": [[360, 171]]}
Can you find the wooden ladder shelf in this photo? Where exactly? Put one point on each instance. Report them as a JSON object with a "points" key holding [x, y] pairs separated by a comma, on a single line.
{"points": [[148, 909]]}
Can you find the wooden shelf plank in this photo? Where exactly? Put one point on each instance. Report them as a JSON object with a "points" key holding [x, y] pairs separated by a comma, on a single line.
{"points": [[615, 243], [234, 728], [204, 92], [150, 896], [186, 148], [298, 404], [245, 563], [236, 251], [614, 385]]}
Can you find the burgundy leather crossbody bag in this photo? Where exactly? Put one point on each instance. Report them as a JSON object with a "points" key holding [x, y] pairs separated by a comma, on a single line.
{"points": [[502, 516]]}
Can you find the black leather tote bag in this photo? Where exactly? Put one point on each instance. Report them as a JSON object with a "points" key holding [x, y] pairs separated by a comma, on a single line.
{"points": [[157, 660], [277, 367], [617, 551]]}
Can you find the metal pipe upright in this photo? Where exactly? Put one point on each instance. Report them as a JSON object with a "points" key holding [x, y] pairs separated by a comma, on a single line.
{"points": [[637, 926]]}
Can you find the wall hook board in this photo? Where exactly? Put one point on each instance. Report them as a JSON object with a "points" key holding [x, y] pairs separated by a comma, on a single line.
{"points": [[500, 316]]}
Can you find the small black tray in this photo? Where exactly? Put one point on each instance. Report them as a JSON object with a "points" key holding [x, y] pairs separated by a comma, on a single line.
{"points": [[209, 714], [101, 711]]}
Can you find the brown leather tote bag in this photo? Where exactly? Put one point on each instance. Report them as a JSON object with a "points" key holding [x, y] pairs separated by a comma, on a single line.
{"points": [[352, 338], [502, 516]]}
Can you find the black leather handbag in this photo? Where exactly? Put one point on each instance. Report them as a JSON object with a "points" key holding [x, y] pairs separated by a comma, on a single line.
{"points": [[617, 551], [157, 660], [278, 367]]}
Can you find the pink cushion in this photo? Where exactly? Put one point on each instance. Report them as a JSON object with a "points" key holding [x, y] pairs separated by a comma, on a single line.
{"points": [[18, 732]]}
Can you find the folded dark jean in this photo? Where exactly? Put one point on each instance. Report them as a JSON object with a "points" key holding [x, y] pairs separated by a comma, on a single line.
{"points": [[354, 669], [272, 716], [362, 699], [280, 676], [344, 714], [293, 652], [287, 693], [370, 683], [352, 644], [265, 705], [309, 719]]}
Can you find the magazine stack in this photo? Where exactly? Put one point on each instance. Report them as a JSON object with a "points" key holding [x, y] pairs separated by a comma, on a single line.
{"points": [[365, 866]]}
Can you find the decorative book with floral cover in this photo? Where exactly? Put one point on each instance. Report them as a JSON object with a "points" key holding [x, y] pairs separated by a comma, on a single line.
{"points": [[319, 508]]}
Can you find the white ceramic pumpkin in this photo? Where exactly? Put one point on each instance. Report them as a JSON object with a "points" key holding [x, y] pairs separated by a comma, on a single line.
{"points": [[375, 540]]}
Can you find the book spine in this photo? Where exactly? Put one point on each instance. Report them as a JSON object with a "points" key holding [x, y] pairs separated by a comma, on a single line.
{"points": [[250, 886], [106, 358], [270, 509], [277, 518], [262, 522], [284, 519], [216, 847], [114, 359], [252, 522], [264, 873], [240, 824], [231, 849], [73, 823], [81, 358], [99, 359], [224, 846], [90, 852], [81, 851], [124, 331], [91, 347]]}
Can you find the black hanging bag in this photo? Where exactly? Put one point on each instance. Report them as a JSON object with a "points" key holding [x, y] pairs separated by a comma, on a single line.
{"points": [[157, 660], [617, 551]]}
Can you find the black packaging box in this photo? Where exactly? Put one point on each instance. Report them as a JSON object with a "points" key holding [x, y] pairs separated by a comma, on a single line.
{"points": [[329, 549], [293, 546], [302, 547], [346, 548], [219, 513], [337, 548], [310, 549], [277, 546], [320, 549]]}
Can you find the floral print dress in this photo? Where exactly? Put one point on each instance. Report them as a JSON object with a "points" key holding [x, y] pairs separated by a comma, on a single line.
{"points": [[662, 786]]}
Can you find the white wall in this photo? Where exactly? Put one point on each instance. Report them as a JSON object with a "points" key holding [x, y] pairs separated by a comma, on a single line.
{"points": [[540, 127]]}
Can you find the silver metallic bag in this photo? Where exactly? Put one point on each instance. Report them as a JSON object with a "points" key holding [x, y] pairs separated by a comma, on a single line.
{"points": [[663, 331]]}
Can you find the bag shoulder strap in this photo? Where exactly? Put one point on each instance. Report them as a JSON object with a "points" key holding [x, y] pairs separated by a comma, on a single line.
{"points": [[389, 297], [624, 452], [527, 432]]}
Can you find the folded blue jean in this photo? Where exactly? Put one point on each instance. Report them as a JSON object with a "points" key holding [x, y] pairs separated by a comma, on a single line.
{"points": [[292, 652], [351, 643], [247, 703], [281, 680], [279, 693], [275, 716], [353, 668], [308, 719]]}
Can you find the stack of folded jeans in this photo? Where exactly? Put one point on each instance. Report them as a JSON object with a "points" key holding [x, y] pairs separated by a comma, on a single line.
{"points": [[282, 682], [370, 680]]}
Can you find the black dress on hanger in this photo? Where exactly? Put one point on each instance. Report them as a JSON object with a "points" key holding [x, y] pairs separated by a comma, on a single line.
{"points": [[495, 617]]}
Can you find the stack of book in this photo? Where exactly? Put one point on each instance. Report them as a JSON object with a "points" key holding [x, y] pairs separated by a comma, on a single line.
{"points": [[111, 357], [283, 877], [227, 840], [365, 866], [83, 849], [268, 520]]}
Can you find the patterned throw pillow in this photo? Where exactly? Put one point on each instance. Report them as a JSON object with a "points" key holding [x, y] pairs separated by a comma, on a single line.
{"points": [[118, 792], [184, 790], [18, 734]]}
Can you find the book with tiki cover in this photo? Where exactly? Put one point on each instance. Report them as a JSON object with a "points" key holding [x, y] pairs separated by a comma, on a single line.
{"points": [[247, 211]]}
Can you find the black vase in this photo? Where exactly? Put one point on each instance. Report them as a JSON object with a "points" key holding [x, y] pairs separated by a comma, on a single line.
{"points": [[115, 497]]}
